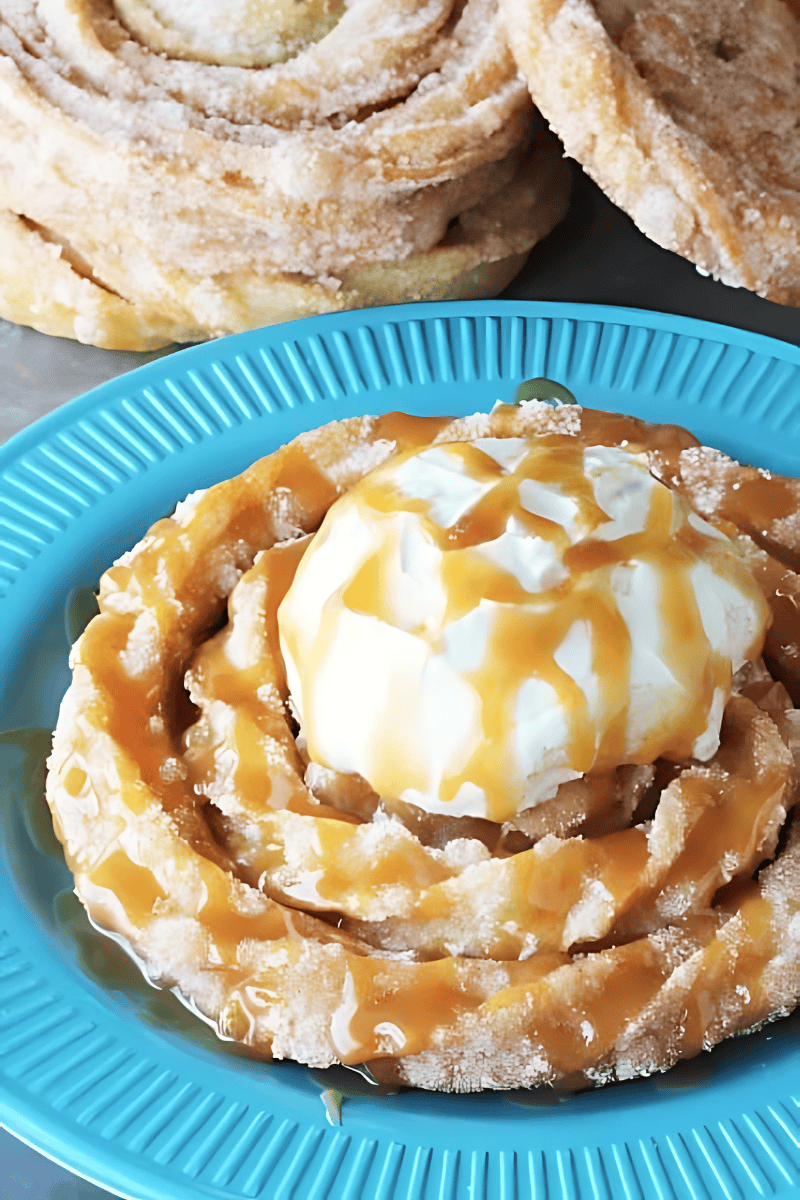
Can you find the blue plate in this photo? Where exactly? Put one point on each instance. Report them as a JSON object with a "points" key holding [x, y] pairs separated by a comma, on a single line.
{"points": [[114, 1079]]}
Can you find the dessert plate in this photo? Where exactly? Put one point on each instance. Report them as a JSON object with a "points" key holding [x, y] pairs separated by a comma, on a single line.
{"points": [[114, 1078]]}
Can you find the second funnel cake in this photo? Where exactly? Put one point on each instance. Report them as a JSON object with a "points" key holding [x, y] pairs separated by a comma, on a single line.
{"points": [[150, 193]]}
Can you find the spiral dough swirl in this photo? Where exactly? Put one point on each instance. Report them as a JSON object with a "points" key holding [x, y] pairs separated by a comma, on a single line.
{"points": [[632, 920], [151, 191]]}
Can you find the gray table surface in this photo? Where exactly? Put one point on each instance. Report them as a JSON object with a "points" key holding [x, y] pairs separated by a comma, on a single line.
{"points": [[595, 256]]}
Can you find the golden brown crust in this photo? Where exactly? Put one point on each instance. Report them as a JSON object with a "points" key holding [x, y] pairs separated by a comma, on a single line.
{"points": [[168, 199], [686, 115], [310, 930]]}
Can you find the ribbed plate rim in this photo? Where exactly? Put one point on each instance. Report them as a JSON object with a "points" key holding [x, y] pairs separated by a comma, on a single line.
{"points": [[48, 1136]]}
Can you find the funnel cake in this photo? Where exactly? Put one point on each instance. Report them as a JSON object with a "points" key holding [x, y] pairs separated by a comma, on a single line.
{"points": [[686, 115], [639, 915], [152, 194]]}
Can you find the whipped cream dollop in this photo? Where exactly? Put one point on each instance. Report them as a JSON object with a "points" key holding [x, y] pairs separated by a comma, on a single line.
{"points": [[478, 622]]}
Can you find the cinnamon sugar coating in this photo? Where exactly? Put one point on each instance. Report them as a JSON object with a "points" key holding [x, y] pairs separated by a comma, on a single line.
{"points": [[149, 194], [636, 918], [686, 115]]}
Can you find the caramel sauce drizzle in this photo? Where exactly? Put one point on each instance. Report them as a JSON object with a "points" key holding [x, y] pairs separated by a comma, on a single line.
{"points": [[529, 629], [550, 998]]}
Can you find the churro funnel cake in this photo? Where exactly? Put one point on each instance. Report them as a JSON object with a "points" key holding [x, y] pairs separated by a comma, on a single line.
{"points": [[687, 115], [174, 171], [469, 752]]}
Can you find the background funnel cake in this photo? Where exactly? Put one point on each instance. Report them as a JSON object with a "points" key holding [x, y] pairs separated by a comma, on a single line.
{"points": [[558, 845], [686, 115], [172, 172]]}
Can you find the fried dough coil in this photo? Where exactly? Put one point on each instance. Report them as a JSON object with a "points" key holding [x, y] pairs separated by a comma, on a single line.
{"points": [[159, 199], [333, 927], [686, 115]]}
